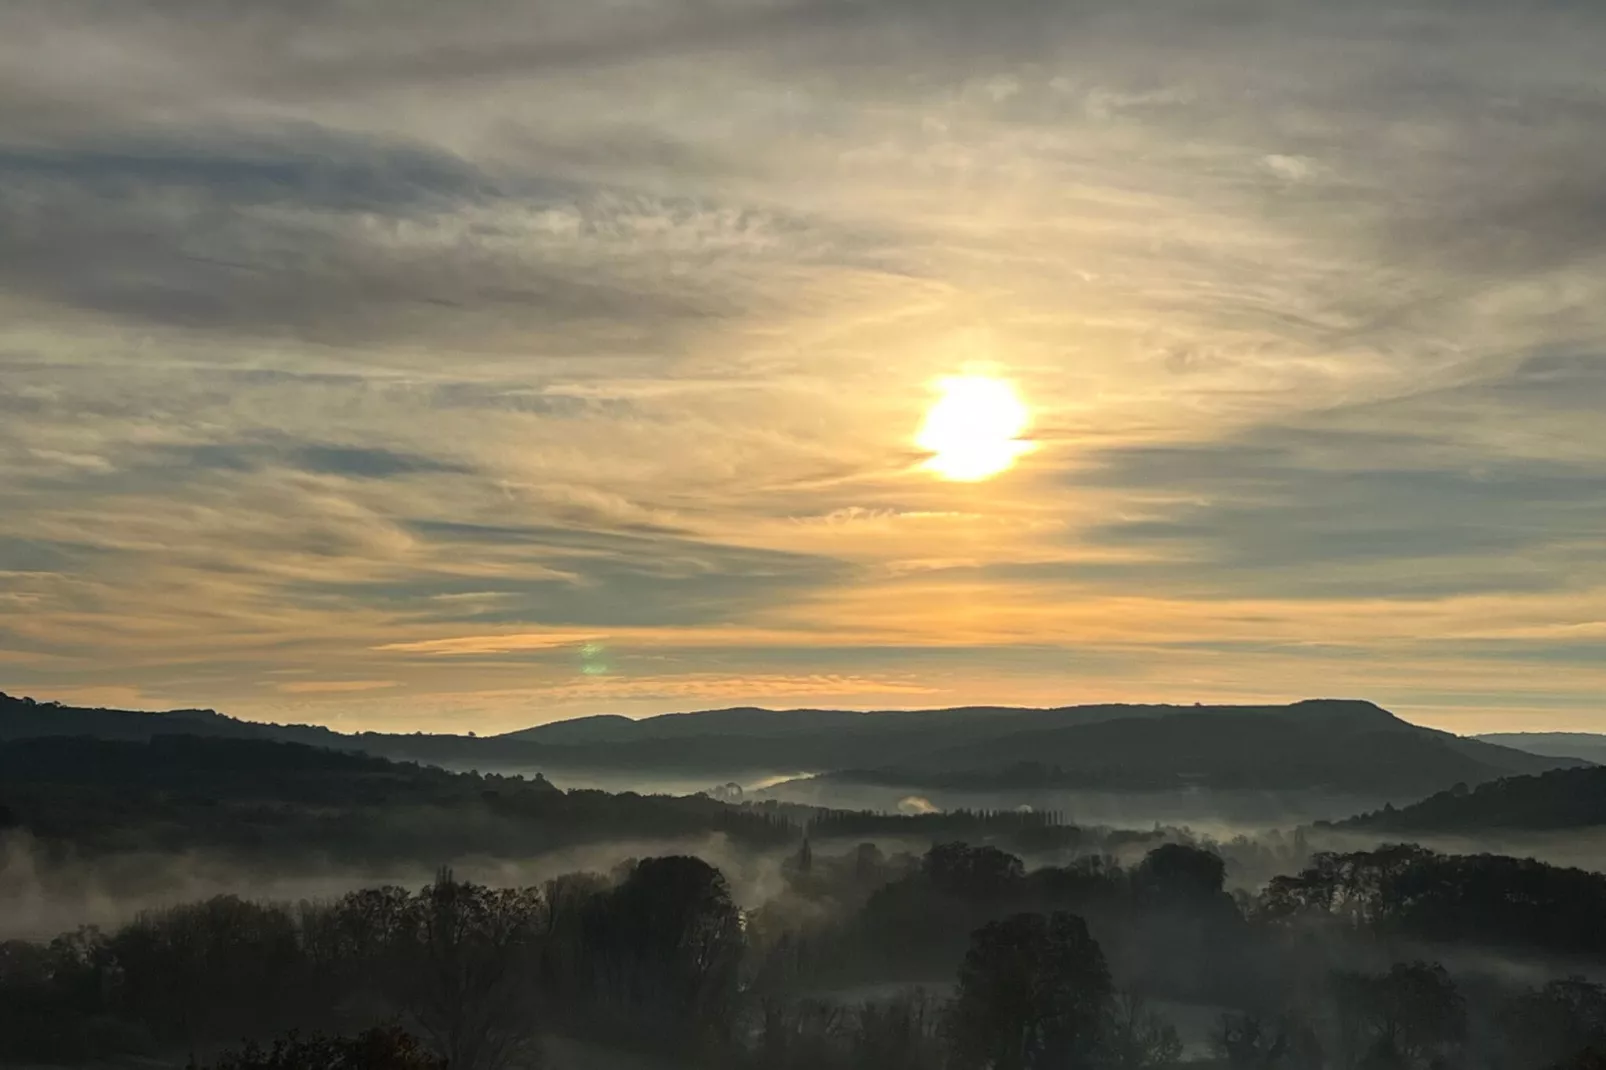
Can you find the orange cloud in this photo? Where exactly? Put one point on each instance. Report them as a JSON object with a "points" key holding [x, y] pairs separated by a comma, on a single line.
{"points": [[332, 687]]}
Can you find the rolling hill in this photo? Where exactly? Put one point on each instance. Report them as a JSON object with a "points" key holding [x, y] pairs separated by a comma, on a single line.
{"points": [[1339, 745], [1588, 746], [267, 801], [1562, 799]]}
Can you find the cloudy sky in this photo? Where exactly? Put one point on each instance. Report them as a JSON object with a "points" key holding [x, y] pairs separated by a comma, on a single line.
{"points": [[412, 365]]}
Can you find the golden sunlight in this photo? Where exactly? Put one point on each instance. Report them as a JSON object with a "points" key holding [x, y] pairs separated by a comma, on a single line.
{"points": [[973, 430]]}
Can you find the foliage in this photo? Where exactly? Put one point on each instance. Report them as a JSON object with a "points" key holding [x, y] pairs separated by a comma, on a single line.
{"points": [[277, 803], [1559, 799], [1249, 1041], [380, 1048], [1136, 1037], [1550, 1024], [471, 991], [1033, 993], [1409, 1018], [656, 956], [1175, 873], [664, 949], [1485, 899]]}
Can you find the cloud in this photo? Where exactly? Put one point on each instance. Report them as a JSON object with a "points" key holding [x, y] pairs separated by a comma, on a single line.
{"points": [[414, 345], [332, 687], [628, 577], [1385, 499], [382, 243], [361, 462]]}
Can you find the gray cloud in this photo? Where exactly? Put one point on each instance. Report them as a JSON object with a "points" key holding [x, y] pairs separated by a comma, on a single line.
{"points": [[327, 324], [1365, 500], [304, 165], [636, 577], [299, 230], [356, 461], [38, 555], [246, 244]]}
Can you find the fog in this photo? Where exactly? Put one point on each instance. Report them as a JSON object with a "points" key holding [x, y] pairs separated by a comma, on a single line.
{"points": [[44, 894], [835, 928], [1223, 811], [243, 890]]}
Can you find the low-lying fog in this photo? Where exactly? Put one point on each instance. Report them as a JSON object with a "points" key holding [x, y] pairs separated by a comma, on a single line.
{"points": [[1226, 812]]}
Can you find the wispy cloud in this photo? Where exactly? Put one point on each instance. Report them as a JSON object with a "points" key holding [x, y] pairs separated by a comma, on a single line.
{"points": [[428, 346], [333, 687]]}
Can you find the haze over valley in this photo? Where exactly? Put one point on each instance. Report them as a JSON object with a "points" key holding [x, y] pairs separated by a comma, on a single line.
{"points": [[803, 535]]}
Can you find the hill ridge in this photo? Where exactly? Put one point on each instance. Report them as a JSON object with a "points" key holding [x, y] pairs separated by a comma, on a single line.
{"points": [[1321, 743]]}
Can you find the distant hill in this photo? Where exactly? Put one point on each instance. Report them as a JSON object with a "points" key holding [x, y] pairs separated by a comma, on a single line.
{"points": [[267, 801], [26, 718], [1588, 746], [1562, 799], [1334, 745], [1340, 745]]}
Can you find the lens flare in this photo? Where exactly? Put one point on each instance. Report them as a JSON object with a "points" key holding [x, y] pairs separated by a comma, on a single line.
{"points": [[973, 431]]}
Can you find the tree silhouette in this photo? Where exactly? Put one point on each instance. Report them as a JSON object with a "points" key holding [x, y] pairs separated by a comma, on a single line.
{"points": [[470, 988], [1410, 1018], [1550, 1024], [1257, 1042], [665, 948], [1175, 873], [1136, 1037], [973, 873], [384, 1048], [1033, 992]]}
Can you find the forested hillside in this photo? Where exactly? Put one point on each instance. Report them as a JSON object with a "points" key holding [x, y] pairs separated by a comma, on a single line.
{"points": [[1567, 799]]}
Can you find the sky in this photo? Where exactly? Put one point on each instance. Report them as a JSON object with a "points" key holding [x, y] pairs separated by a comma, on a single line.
{"points": [[447, 367]]}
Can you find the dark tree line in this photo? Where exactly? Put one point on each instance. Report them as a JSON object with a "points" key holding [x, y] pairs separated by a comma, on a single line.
{"points": [[1559, 799], [1407, 890], [1057, 968], [476, 973], [271, 804]]}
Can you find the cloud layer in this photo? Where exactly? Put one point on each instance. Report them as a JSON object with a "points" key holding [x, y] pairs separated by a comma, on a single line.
{"points": [[419, 366]]}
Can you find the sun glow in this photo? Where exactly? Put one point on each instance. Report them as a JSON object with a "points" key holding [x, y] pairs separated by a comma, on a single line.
{"points": [[973, 431]]}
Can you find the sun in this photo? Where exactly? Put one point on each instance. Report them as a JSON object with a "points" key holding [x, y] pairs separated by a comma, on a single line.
{"points": [[973, 430]]}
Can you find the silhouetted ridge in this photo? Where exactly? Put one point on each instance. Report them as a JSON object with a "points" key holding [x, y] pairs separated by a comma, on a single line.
{"points": [[1339, 744], [1587, 746], [274, 801], [1559, 799]]}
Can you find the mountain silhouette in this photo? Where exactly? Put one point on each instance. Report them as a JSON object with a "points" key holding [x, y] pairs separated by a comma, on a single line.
{"points": [[1561, 799], [1345, 745], [1587, 746]]}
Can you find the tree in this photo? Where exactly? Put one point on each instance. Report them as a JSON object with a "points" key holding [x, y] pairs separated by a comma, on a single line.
{"points": [[1175, 874], [361, 942], [1136, 1037], [1256, 1042], [469, 982], [1408, 1018], [899, 1034], [1550, 1024], [972, 873], [216, 969], [665, 947], [1033, 992], [386, 1048]]}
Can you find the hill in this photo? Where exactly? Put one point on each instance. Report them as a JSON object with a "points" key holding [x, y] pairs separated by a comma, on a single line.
{"points": [[1562, 799], [1587, 746], [268, 801], [1331, 744]]}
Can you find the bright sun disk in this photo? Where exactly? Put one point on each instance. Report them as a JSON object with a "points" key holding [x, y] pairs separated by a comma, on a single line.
{"points": [[973, 431]]}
